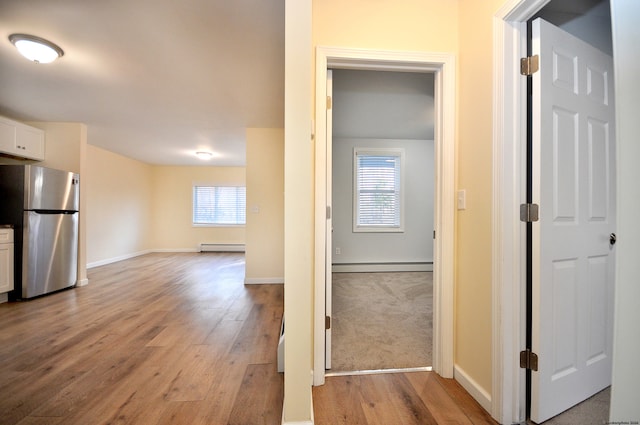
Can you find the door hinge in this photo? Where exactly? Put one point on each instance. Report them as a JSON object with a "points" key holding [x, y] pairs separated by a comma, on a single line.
{"points": [[327, 322], [529, 65], [528, 360], [328, 212], [529, 212], [329, 102]]}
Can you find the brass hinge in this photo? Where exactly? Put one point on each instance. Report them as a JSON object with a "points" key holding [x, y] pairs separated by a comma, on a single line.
{"points": [[327, 322], [529, 213], [329, 102], [528, 360], [529, 65]]}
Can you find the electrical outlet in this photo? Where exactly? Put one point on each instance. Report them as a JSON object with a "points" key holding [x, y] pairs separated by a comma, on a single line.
{"points": [[338, 251]]}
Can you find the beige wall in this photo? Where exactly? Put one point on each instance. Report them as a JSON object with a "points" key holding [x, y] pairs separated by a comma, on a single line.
{"points": [[473, 243], [63, 141], [420, 25], [434, 26], [172, 207], [265, 206], [119, 192], [464, 28], [134, 207]]}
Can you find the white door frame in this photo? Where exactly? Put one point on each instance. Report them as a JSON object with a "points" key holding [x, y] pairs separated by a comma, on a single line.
{"points": [[509, 183], [443, 66]]}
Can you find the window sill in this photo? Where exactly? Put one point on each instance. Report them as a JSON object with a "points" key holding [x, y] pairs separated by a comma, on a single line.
{"points": [[378, 230]]}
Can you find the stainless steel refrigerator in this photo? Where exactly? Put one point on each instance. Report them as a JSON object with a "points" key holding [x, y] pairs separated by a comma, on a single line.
{"points": [[42, 204]]}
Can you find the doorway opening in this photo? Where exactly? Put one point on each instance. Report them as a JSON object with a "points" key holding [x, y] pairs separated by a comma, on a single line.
{"points": [[382, 186], [510, 33], [443, 68]]}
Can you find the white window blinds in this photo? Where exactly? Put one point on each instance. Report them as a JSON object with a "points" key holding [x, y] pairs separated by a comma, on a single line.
{"points": [[378, 190], [219, 205]]}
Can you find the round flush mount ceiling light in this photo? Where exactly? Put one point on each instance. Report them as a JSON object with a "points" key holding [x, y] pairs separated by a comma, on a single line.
{"points": [[36, 49], [204, 155]]}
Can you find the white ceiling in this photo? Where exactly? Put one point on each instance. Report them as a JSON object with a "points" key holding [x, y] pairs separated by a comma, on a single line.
{"points": [[154, 80]]}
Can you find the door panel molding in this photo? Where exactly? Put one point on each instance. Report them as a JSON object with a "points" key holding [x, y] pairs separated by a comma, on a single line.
{"points": [[443, 66]]}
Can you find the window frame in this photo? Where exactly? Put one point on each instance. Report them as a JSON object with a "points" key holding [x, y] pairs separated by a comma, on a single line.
{"points": [[216, 185], [399, 153]]}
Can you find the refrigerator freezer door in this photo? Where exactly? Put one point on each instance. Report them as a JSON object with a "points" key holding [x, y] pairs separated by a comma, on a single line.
{"points": [[49, 189], [50, 252]]}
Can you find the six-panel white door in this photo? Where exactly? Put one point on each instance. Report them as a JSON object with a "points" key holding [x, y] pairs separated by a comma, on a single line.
{"points": [[574, 184]]}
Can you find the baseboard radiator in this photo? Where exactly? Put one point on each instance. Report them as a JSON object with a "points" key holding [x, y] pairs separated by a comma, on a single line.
{"points": [[221, 247]]}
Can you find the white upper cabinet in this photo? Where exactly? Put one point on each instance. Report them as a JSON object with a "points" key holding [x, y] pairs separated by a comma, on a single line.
{"points": [[21, 140]]}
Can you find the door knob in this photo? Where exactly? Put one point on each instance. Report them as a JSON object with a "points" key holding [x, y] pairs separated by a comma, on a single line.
{"points": [[612, 239]]}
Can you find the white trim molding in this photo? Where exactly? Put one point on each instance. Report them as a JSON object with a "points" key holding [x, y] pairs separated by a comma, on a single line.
{"points": [[481, 395], [263, 280], [443, 65], [508, 239], [310, 422], [381, 267], [118, 258]]}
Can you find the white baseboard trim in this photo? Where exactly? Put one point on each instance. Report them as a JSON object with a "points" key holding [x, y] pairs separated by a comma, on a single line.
{"points": [[473, 388], [381, 267], [299, 422], [263, 280], [116, 259], [82, 282], [175, 250], [148, 251]]}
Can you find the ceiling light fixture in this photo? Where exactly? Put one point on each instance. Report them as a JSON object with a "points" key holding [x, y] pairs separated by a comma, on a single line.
{"points": [[36, 49], [204, 155]]}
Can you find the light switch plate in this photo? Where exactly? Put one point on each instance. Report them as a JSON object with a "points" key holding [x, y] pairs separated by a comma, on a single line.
{"points": [[462, 199]]}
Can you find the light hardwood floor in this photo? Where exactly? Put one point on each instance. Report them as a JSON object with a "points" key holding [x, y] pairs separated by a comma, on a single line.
{"points": [[159, 339], [413, 398], [178, 339]]}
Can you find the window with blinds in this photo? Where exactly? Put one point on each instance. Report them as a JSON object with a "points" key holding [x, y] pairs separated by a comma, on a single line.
{"points": [[378, 200], [219, 205]]}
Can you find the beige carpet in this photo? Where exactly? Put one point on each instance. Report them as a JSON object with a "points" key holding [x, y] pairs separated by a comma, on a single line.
{"points": [[382, 320], [594, 410]]}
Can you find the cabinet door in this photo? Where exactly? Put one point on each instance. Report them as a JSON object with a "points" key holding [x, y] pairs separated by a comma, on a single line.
{"points": [[7, 137], [6, 268], [30, 142]]}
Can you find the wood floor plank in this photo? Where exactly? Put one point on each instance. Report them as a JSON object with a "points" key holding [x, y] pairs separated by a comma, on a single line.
{"points": [[409, 405], [195, 377], [217, 407], [395, 398], [342, 405], [471, 408], [443, 408], [179, 413], [260, 383], [378, 407]]}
